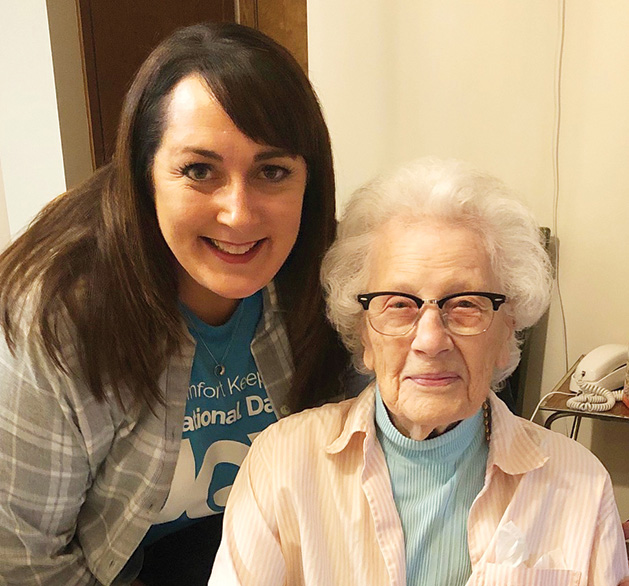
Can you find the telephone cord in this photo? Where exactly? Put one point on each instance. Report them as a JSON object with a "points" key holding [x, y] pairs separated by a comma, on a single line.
{"points": [[592, 397]]}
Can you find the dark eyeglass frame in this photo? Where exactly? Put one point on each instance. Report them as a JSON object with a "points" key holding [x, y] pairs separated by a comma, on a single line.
{"points": [[497, 299]]}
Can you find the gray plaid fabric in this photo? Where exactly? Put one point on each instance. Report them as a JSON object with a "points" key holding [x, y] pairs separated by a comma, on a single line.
{"points": [[81, 481]]}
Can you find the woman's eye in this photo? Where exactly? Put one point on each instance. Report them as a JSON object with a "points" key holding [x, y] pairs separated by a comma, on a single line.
{"points": [[465, 304], [274, 173], [469, 304], [400, 304], [197, 171]]}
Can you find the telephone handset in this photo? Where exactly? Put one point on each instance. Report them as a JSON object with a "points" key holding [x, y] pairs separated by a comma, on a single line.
{"points": [[597, 377]]}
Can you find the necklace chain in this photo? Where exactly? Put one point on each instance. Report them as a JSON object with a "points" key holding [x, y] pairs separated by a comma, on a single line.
{"points": [[487, 420], [219, 369]]}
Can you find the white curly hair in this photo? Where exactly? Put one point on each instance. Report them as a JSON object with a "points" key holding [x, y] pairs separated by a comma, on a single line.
{"points": [[443, 190]]}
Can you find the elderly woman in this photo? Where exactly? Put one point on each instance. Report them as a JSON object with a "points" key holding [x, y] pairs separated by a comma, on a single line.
{"points": [[426, 477]]}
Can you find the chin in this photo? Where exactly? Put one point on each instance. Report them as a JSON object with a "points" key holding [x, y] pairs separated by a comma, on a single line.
{"points": [[238, 292], [240, 284], [443, 411]]}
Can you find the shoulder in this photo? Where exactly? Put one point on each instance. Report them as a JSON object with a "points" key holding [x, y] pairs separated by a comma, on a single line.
{"points": [[29, 352], [30, 377], [532, 445], [26, 355], [322, 422], [305, 435], [561, 446]]}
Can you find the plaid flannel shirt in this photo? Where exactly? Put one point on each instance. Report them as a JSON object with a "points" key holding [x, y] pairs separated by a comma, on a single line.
{"points": [[81, 481]]}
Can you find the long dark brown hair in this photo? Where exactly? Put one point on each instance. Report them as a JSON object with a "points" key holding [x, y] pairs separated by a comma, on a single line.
{"points": [[96, 254]]}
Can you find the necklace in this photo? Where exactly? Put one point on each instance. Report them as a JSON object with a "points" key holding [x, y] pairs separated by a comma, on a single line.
{"points": [[487, 420], [219, 369]]}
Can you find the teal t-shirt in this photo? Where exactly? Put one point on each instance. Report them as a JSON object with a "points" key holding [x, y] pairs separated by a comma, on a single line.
{"points": [[224, 413]]}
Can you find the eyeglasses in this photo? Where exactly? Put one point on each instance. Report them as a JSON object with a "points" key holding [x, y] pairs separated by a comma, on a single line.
{"points": [[466, 314]]}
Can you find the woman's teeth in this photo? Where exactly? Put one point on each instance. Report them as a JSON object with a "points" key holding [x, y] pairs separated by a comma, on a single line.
{"points": [[233, 248]]}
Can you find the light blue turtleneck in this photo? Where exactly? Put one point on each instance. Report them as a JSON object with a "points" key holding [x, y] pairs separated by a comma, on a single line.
{"points": [[434, 483]]}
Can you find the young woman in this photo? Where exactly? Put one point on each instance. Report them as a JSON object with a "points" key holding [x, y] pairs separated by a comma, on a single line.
{"points": [[160, 316]]}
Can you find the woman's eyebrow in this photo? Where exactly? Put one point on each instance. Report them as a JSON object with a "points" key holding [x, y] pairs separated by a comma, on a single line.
{"points": [[263, 156], [203, 153], [274, 153]]}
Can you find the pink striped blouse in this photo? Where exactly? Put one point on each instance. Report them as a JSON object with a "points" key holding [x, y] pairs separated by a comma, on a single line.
{"points": [[312, 504]]}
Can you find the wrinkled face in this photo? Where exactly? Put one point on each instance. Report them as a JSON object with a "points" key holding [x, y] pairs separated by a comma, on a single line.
{"points": [[228, 207], [431, 378]]}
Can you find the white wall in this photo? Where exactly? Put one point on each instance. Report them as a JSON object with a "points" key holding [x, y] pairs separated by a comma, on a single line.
{"points": [[30, 143], [476, 80]]}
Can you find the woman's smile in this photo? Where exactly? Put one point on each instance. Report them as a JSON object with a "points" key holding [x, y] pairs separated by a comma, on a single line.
{"points": [[437, 379], [232, 251]]}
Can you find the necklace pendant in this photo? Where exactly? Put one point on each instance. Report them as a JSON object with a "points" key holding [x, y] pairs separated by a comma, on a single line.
{"points": [[219, 370]]}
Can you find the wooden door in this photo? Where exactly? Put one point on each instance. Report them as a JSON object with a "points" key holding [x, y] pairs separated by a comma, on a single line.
{"points": [[116, 37]]}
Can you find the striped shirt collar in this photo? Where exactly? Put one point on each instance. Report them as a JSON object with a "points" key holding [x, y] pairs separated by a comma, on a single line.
{"points": [[512, 448]]}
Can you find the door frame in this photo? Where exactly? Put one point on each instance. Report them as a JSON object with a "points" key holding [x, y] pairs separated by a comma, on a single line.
{"points": [[283, 20]]}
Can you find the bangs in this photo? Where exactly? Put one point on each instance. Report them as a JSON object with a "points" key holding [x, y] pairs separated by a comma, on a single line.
{"points": [[267, 102]]}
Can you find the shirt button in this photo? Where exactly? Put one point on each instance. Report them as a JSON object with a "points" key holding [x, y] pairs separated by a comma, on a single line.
{"points": [[284, 410]]}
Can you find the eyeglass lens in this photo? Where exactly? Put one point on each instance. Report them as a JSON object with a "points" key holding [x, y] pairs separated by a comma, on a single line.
{"points": [[394, 315]]}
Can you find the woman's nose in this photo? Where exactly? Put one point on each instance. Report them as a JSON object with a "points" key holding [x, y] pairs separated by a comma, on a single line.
{"points": [[431, 335], [236, 205]]}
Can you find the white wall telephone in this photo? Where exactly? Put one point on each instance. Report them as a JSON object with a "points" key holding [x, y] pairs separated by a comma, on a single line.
{"points": [[597, 377]]}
